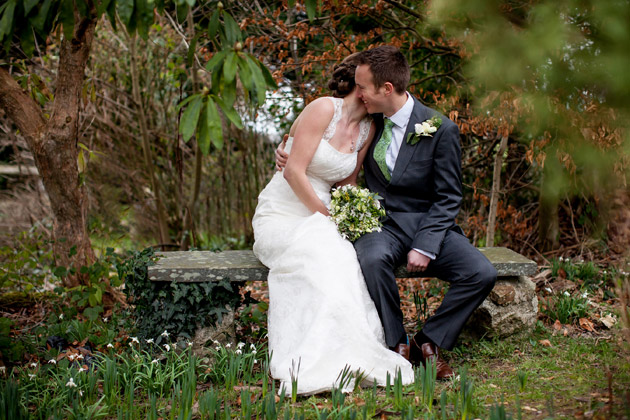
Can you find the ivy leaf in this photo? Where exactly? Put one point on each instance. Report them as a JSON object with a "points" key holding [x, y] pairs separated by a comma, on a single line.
{"points": [[190, 117]]}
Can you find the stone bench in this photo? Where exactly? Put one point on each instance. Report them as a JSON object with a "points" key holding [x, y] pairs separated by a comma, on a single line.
{"points": [[510, 308]]}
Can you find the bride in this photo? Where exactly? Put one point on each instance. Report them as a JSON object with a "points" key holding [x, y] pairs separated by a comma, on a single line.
{"points": [[321, 317]]}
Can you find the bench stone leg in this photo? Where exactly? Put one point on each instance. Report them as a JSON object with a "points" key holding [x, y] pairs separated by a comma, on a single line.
{"points": [[511, 308], [224, 333]]}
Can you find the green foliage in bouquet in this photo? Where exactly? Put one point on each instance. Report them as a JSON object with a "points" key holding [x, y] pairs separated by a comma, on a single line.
{"points": [[355, 211]]}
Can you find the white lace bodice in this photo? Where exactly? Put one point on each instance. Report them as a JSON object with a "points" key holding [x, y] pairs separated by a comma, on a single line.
{"points": [[328, 164]]}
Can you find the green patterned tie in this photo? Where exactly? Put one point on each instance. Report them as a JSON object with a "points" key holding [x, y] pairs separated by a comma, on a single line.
{"points": [[380, 150]]}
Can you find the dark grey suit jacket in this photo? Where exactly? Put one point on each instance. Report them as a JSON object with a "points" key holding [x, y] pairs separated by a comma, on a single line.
{"points": [[425, 191]]}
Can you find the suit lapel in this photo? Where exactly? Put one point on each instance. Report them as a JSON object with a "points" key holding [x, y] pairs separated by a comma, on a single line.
{"points": [[420, 113]]}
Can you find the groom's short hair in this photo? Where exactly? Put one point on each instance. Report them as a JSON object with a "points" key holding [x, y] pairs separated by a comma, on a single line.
{"points": [[387, 64]]}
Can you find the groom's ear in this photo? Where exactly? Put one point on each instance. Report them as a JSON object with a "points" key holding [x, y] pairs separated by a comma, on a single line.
{"points": [[389, 88]]}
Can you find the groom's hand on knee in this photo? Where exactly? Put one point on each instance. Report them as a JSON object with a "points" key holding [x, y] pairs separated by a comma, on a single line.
{"points": [[417, 261]]}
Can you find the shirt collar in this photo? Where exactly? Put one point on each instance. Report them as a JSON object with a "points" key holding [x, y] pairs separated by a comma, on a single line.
{"points": [[401, 117]]}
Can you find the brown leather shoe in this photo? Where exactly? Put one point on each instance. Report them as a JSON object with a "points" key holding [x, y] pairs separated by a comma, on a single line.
{"points": [[431, 352], [402, 349]]}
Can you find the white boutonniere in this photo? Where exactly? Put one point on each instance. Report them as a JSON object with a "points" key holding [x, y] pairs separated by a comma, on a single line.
{"points": [[424, 129]]}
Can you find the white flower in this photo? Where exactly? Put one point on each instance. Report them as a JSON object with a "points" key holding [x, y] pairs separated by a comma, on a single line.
{"points": [[228, 345], [548, 289], [217, 348], [560, 259], [189, 343], [71, 357], [79, 356], [110, 346], [34, 365], [105, 319], [252, 347], [240, 345], [80, 393], [167, 347], [567, 293], [425, 129], [154, 361], [71, 384], [239, 351], [165, 334], [60, 316], [135, 340], [255, 361], [82, 369], [3, 369], [149, 341], [584, 295], [52, 362], [253, 351], [31, 376]]}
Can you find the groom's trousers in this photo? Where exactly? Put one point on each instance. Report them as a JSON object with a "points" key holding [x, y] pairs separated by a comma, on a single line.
{"points": [[470, 274]]}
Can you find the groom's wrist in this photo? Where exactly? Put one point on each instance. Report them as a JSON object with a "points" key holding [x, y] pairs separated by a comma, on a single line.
{"points": [[431, 255]]}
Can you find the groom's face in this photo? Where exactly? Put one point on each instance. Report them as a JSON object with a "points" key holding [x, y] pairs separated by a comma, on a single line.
{"points": [[374, 98]]}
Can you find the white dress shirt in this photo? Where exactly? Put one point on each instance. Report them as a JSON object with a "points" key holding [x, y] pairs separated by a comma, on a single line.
{"points": [[400, 120]]}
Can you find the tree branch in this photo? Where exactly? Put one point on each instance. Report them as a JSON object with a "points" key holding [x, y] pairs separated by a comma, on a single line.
{"points": [[20, 107]]}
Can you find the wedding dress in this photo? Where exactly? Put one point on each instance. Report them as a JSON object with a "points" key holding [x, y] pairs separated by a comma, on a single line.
{"points": [[321, 317]]}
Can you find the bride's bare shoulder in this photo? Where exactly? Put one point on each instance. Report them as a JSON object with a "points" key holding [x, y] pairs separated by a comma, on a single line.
{"points": [[320, 110]]}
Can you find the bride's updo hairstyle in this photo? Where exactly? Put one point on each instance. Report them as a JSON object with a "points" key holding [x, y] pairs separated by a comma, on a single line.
{"points": [[341, 82]]}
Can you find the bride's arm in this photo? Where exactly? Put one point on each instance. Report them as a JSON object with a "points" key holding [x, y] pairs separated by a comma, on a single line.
{"points": [[308, 133], [352, 179]]}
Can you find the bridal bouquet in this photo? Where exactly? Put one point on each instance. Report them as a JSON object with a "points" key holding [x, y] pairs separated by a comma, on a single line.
{"points": [[355, 211]]}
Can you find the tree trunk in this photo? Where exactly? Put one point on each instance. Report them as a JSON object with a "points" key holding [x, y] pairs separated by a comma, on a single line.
{"points": [[53, 144], [494, 196]]}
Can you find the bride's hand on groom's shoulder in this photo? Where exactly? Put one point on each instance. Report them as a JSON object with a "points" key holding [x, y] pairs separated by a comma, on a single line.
{"points": [[281, 155]]}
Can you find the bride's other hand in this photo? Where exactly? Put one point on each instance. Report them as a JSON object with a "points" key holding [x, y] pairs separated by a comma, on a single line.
{"points": [[281, 155]]}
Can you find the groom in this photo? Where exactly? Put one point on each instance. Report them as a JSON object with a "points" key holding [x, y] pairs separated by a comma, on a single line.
{"points": [[419, 178]]}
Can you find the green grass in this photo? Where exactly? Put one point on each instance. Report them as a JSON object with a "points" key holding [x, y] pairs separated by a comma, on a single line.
{"points": [[564, 379]]}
